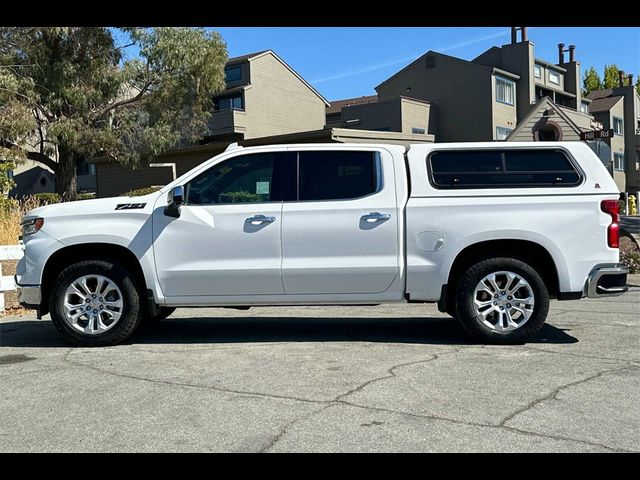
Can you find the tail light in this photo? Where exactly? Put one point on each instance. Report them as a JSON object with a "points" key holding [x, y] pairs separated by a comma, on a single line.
{"points": [[612, 207]]}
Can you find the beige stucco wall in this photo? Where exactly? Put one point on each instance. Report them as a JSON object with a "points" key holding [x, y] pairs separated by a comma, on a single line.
{"points": [[617, 141], [278, 102], [414, 115], [503, 115], [545, 82]]}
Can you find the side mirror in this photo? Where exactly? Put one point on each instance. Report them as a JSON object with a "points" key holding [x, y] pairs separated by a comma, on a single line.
{"points": [[175, 199]]}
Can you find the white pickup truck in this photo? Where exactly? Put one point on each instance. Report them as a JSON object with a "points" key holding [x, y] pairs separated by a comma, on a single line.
{"points": [[490, 231]]}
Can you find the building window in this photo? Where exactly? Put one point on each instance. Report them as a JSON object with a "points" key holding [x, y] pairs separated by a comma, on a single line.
{"points": [[506, 168], [584, 107], [505, 91], [618, 162], [618, 126], [537, 71], [232, 74], [229, 103], [503, 132], [554, 77], [418, 131], [84, 168]]}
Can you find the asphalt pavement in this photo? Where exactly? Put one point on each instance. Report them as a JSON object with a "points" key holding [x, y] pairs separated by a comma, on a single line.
{"points": [[324, 379]]}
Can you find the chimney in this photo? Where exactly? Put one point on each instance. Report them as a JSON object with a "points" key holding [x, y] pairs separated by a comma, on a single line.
{"points": [[523, 31], [630, 77], [513, 35], [572, 53], [560, 53], [621, 78]]}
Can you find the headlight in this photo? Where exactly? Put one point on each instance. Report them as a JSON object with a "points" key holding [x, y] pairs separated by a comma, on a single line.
{"points": [[31, 225]]}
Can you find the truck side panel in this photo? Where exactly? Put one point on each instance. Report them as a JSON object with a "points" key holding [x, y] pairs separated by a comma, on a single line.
{"points": [[567, 222]]}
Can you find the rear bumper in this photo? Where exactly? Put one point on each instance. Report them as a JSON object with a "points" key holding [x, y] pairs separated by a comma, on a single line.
{"points": [[607, 280]]}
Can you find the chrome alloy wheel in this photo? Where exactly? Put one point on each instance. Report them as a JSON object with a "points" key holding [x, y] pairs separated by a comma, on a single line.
{"points": [[93, 304], [503, 301]]}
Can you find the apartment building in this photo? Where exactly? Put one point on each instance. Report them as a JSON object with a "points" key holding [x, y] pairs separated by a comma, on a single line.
{"points": [[619, 109], [402, 114], [264, 96], [487, 97]]}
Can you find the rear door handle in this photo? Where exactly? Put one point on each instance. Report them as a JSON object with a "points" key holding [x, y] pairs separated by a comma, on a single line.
{"points": [[375, 217], [259, 219]]}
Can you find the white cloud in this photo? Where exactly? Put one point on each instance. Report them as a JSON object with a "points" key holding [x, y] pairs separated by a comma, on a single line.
{"points": [[398, 61]]}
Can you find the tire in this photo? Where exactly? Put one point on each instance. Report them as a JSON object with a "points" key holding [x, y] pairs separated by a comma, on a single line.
{"points": [[107, 331], [163, 312], [484, 316]]}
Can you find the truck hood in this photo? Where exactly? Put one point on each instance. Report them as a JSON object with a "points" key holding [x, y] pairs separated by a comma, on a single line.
{"points": [[99, 206]]}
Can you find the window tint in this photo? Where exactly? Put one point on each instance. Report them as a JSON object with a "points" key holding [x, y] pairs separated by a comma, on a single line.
{"points": [[337, 175], [510, 168], [467, 161], [535, 161], [244, 179]]}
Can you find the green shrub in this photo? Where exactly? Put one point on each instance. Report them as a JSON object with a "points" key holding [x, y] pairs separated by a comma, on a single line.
{"points": [[631, 259], [86, 196], [138, 192]]}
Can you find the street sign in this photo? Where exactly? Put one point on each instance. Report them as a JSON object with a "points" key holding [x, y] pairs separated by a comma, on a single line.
{"points": [[596, 134]]}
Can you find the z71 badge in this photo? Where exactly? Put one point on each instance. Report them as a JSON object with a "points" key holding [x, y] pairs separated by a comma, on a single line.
{"points": [[129, 206]]}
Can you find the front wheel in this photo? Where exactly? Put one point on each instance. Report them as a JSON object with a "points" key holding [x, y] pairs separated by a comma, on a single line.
{"points": [[95, 303], [502, 300]]}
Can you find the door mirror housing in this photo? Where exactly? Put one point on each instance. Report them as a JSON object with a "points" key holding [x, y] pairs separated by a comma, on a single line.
{"points": [[175, 199]]}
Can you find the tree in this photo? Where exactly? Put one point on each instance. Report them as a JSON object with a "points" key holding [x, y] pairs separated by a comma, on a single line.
{"points": [[638, 84], [611, 77], [591, 81], [68, 93]]}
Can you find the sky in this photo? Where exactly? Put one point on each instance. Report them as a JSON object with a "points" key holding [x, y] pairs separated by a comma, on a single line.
{"points": [[344, 62]]}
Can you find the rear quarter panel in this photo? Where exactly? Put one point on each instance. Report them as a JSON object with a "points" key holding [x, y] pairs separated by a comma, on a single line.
{"points": [[566, 221]]}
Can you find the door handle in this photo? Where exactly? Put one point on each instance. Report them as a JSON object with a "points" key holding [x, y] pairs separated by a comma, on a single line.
{"points": [[259, 219], [375, 217]]}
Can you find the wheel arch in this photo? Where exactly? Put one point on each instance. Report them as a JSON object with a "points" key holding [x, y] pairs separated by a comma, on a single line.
{"points": [[527, 251], [68, 255]]}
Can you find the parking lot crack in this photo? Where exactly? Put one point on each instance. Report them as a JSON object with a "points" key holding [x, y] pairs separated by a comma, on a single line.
{"points": [[390, 373], [484, 425], [554, 393], [276, 438], [193, 385]]}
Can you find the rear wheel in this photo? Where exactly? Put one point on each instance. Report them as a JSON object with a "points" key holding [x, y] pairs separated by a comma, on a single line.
{"points": [[95, 303], [502, 300]]}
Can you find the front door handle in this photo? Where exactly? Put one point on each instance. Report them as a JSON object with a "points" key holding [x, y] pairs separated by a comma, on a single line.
{"points": [[259, 219], [375, 217]]}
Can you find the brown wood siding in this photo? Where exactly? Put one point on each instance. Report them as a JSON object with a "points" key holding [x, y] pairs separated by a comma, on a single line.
{"points": [[115, 180]]}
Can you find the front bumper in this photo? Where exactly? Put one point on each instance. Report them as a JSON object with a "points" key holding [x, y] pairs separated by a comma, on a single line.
{"points": [[29, 296], [607, 280]]}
